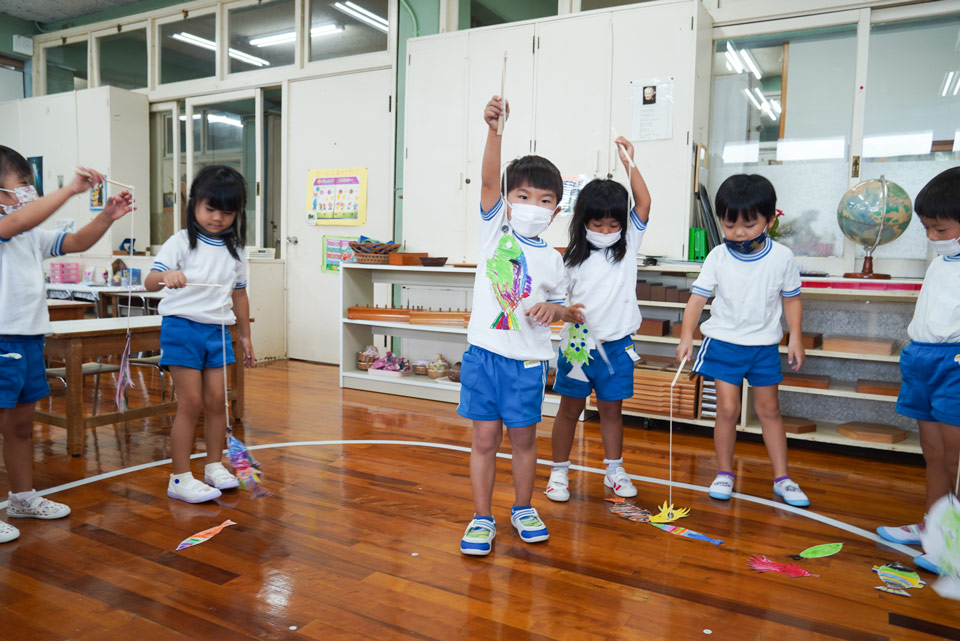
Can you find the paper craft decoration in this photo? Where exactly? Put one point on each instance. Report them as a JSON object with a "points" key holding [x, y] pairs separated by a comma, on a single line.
{"points": [[761, 563], [818, 551], [630, 512], [98, 196], [246, 468], [668, 513], [638, 515], [685, 533], [336, 196], [336, 250], [576, 349], [201, 537], [652, 109], [897, 578], [510, 279], [941, 542]]}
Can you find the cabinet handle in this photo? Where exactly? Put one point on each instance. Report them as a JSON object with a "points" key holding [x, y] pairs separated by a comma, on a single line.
{"points": [[467, 180]]}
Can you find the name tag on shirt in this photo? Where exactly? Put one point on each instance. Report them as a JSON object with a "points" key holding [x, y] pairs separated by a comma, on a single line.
{"points": [[632, 353]]}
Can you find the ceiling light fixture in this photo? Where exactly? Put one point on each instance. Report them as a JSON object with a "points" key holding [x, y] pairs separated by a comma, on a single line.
{"points": [[946, 84], [197, 41], [733, 58], [291, 36], [748, 59]]}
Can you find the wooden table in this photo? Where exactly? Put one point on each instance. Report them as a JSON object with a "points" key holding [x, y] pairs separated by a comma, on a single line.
{"points": [[80, 341], [115, 299], [93, 293], [61, 310]]}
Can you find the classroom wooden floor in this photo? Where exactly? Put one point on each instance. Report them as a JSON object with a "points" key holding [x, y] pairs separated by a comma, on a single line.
{"points": [[360, 541]]}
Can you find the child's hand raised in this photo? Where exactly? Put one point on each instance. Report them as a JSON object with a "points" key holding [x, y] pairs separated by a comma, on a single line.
{"points": [[118, 206], [574, 314], [84, 179], [625, 149], [491, 113]]}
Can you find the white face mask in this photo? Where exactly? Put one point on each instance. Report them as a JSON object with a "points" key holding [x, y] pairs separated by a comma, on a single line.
{"points": [[602, 241], [529, 220], [24, 194], [947, 247]]}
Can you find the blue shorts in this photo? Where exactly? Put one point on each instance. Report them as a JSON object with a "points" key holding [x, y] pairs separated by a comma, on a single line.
{"points": [[731, 363], [24, 379], [930, 390], [614, 386], [496, 387], [187, 343]]}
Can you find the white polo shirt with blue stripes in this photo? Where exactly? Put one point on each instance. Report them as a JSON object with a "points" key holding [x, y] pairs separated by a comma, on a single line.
{"points": [[749, 290], [936, 318], [210, 262], [23, 296]]}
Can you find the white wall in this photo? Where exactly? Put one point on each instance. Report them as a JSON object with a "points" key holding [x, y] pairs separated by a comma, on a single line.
{"points": [[11, 84]]}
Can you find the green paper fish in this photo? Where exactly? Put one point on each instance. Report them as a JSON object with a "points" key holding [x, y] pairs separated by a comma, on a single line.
{"points": [[818, 551], [576, 350], [510, 278]]}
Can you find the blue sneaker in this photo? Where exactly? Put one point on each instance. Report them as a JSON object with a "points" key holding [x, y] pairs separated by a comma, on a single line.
{"points": [[924, 562], [478, 538], [905, 534], [791, 493], [529, 526]]}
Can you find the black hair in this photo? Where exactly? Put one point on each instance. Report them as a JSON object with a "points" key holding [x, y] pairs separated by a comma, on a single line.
{"points": [[598, 199], [223, 188], [940, 198], [11, 162], [535, 171], [746, 196]]}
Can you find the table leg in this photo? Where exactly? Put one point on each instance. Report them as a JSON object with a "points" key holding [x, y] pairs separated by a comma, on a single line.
{"points": [[74, 367]]}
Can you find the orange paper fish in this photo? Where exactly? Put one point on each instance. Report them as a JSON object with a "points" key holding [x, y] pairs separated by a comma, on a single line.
{"points": [[206, 535]]}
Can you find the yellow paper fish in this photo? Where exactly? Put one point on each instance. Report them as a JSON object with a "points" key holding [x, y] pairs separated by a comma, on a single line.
{"points": [[669, 513]]}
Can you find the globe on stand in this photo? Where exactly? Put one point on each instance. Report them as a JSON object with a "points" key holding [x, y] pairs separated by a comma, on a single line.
{"points": [[873, 213]]}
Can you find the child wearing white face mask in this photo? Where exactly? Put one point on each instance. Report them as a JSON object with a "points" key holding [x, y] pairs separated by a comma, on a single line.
{"points": [[601, 262], [930, 364], [24, 319], [518, 291]]}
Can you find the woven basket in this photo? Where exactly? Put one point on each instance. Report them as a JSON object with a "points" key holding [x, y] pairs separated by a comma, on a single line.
{"points": [[364, 361], [437, 373], [372, 259], [454, 373], [373, 248], [420, 369]]}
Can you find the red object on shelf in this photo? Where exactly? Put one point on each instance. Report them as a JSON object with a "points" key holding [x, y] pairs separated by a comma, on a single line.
{"points": [[64, 272], [821, 283]]}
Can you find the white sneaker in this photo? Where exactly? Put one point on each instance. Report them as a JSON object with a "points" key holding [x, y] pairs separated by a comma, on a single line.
{"points": [[216, 475], [529, 526], [721, 488], [620, 483], [37, 508], [791, 493], [558, 487], [905, 534], [191, 490], [8, 532]]}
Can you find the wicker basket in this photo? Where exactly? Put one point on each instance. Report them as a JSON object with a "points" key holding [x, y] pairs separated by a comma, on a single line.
{"points": [[372, 259], [364, 361], [454, 373], [420, 369], [373, 248], [437, 373]]}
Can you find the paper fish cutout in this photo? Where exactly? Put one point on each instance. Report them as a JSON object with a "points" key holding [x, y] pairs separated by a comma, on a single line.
{"points": [[510, 279], [941, 543], [206, 535], [669, 513], [247, 468], [761, 563], [576, 349], [818, 551], [897, 578], [630, 512], [685, 533]]}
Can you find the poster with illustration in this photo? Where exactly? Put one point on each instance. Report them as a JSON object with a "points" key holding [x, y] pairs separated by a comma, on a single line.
{"points": [[651, 108], [336, 250], [98, 196], [336, 196], [36, 168]]}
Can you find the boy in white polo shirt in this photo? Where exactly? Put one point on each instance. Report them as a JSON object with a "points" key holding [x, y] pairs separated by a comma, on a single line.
{"points": [[518, 291], [751, 275]]}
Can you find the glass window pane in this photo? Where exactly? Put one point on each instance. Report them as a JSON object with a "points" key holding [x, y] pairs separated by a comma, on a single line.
{"points": [[123, 59], [347, 28], [66, 67], [911, 129], [272, 166], [262, 36], [588, 5], [782, 107], [484, 12], [188, 49], [162, 179]]}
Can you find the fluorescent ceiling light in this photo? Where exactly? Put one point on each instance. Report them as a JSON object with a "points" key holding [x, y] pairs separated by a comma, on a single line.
{"points": [[357, 12], [946, 84], [776, 106], [737, 153], [197, 41], [746, 92], [812, 149], [914, 144], [748, 59], [195, 117], [291, 36], [733, 58], [764, 104]]}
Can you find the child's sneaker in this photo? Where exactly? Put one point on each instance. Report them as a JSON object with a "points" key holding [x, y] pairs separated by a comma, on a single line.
{"points": [[8, 532], [529, 526], [905, 534], [37, 508], [191, 490], [924, 562], [791, 493], [620, 483], [721, 488], [478, 538], [216, 475], [558, 487]]}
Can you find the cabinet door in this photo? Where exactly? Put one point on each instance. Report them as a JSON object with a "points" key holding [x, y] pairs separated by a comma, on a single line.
{"points": [[573, 100], [48, 128], [435, 153], [657, 42], [486, 52]]}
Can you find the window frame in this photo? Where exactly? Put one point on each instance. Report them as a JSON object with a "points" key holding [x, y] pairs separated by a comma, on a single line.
{"points": [[95, 37]]}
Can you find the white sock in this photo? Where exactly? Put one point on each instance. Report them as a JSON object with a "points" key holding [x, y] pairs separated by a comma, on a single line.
{"points": [[613, 464], [23, 498], [565, 466], [186, 476]]}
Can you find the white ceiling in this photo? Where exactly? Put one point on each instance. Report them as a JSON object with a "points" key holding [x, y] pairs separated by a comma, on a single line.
{"points": [[56, 10]]}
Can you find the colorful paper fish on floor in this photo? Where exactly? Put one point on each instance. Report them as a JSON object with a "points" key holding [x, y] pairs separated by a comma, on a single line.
{"points": [[897, 578], [669, 513], [510, 278], [941, 543], [630, 512], [818, 551], [639, 515], [685, 533], [201, 537], [246, 468], [761, 563]]}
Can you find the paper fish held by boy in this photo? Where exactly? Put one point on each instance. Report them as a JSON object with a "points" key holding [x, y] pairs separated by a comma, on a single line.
{"points": [[510, 278], [897, 578], [202, 537], [246, 467]]}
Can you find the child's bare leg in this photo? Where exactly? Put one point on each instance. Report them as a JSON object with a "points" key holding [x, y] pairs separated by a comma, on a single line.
{"points": [[16, 425], [766, 402], [611, 428], [524, 443], [483, 463], [725, 429], [214, 418], [940, 443], [565, 427], [188, 383]]}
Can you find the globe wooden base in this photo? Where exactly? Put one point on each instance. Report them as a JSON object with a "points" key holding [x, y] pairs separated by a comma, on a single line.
{"points": [[867, 271]]}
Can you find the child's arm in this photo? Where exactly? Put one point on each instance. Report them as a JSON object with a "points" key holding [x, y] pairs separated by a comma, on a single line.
{"points": [[490, 169], [793, 310], [641, 195], [117, 207], [546, 313], [35, 213], [171, 279], [691, 317], [241, 308]]}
